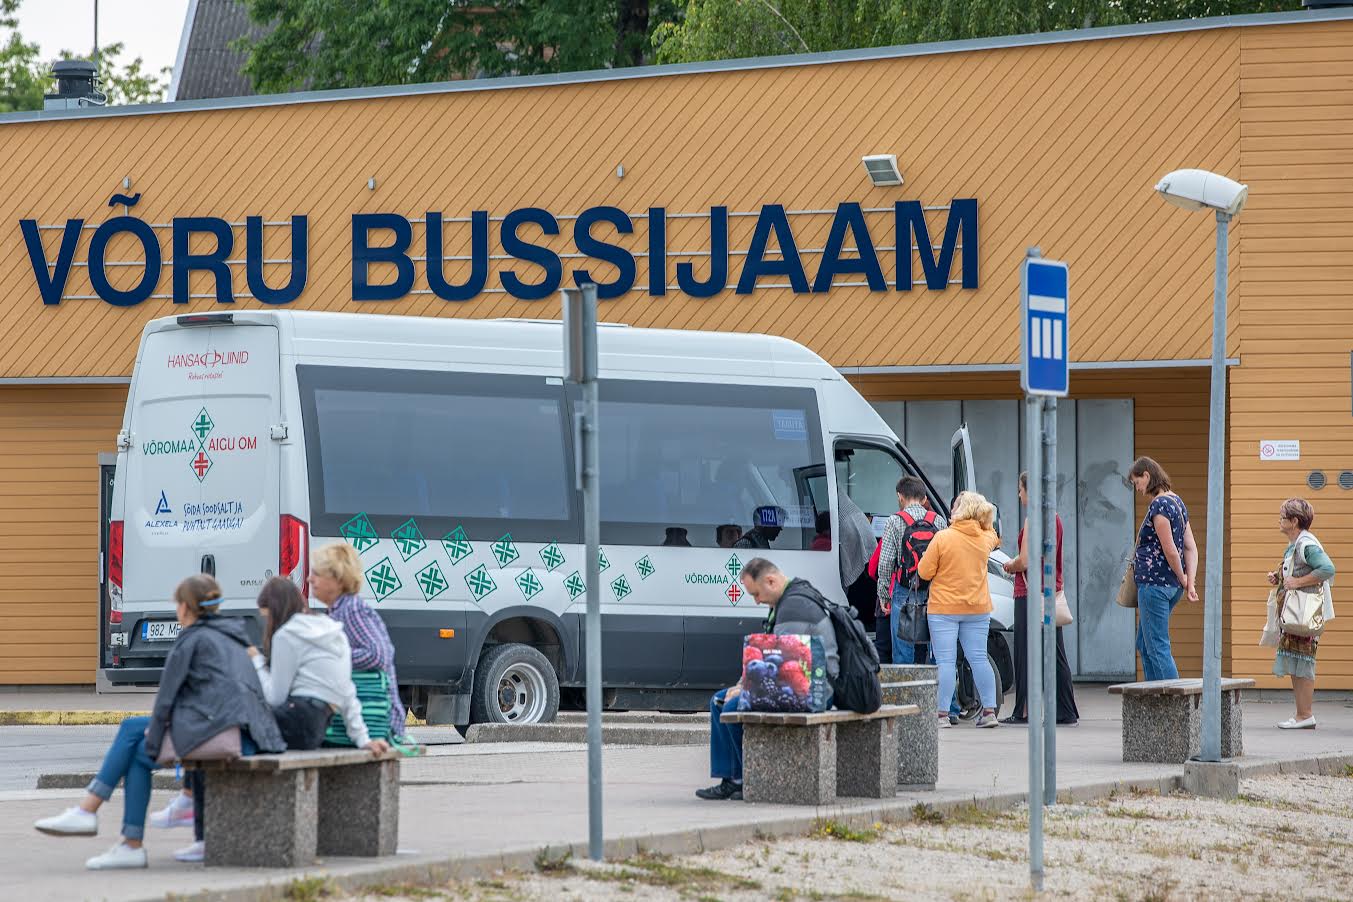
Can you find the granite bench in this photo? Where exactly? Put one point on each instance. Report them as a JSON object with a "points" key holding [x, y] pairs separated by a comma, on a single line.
{"points": [[1162, 719], [793, 758], [918, 738], [283, 810]]}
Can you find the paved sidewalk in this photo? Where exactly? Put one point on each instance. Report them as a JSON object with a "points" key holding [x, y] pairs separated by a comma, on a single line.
{"points": [[474, 801]]}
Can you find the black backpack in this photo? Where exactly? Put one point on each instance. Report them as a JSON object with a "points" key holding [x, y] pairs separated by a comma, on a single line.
{"points": [[856, 687]]}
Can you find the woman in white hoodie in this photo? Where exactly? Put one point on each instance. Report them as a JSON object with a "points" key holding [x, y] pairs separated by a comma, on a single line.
{"points": [[306, 670]]}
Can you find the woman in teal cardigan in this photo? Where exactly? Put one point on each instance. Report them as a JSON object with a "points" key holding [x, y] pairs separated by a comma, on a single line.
{"points": [[1305, 565]]}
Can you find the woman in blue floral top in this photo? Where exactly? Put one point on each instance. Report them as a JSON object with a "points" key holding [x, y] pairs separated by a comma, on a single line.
{"points": [[1165, 567]]}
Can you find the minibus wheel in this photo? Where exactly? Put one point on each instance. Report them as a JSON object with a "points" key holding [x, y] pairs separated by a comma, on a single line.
{"points": [[514, 683]]}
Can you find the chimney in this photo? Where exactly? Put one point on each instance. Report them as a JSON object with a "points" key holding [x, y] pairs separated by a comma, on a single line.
{"points": [[75, 86]]}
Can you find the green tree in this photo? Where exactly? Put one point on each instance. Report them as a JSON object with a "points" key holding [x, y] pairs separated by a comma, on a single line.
{"points": [[25, 77], [727, 29], [350, 43]]}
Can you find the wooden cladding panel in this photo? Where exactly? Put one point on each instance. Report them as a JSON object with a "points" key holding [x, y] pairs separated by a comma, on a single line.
{"points": [[1296, 331], [49, 542]]}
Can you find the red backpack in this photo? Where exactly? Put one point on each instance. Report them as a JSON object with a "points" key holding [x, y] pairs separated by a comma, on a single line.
{"points": [[915, 540]]}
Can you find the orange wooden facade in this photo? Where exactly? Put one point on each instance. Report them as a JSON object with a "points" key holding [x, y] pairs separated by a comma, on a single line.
{"points": [[1059, 142]]}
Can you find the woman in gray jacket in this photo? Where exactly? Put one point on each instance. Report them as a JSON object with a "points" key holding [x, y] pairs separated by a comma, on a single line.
{"points": [[208, 686]]}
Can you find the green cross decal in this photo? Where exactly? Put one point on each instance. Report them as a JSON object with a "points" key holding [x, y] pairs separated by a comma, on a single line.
{"points": [[528, 583], [505, 551], [734, 566], [574, 585], [552, 557], [457, 545], [645, 567], [408, 539], [621, 587], [360, 532], [203, 425], [431, 581], [480, 583], [602, 562], [383, 579]]}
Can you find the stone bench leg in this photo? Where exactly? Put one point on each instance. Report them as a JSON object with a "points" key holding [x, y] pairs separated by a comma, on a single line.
{"points": [[1161, 729], [359, 809], [918, 737], [1232, 741], [789, 765], [261, 819], [866, 758]]}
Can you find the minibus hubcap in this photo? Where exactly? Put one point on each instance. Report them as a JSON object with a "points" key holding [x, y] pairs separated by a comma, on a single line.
{"points": [[521, 694]]}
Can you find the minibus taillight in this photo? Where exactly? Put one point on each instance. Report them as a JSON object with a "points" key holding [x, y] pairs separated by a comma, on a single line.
{"points": [[115, 571], [294, 553]]}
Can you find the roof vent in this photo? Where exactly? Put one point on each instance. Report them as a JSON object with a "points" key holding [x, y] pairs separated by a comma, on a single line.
{"points": [[1346, 479], [75, 86]]}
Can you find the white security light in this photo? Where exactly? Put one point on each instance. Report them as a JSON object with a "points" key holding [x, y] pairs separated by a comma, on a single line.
{"points": [[882, 169], [1198, 189]]}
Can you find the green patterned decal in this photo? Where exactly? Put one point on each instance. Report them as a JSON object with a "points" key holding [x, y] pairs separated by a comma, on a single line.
{"points": [[603, 563], [552, 557], [457, 546], [383, 579], [360, 532], [574, 585], [431, 581], [505, 550], [734, 566], [481, 585], [408, 539], [645, 567], [621, 587], [528, 583]]}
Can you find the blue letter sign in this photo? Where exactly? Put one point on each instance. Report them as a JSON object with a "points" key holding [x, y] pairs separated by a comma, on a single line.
{"points": [[1045, 355]]}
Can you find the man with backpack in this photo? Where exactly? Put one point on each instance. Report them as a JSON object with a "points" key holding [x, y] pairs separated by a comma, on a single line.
{"points": [[905, 539], [796, 608]]}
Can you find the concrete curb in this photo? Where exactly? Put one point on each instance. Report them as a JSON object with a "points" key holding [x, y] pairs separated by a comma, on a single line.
{"points": [[433, 870], [611, 734], [66, 718]]}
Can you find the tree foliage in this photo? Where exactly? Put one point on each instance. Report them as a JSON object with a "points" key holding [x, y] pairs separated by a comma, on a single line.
{"points": [[25, 77], [727, 29], [349, 43]]}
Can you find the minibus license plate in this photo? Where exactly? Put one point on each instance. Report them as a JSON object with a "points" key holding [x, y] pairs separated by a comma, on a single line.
{"points": [[160, 630]]}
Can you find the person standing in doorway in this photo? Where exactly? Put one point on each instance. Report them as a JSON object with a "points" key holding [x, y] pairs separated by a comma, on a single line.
{"points": [[905, 538], [1067, 713], [1165, 567]]}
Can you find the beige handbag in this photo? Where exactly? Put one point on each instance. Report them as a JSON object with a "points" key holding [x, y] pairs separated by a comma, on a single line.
{"points": [[1127, 589], [1272, 632], [1303, 612], [224, 746], [1063, 616]]}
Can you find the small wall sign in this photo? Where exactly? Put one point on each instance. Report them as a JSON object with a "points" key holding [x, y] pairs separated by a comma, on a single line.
{"points": [[1279, 449]]}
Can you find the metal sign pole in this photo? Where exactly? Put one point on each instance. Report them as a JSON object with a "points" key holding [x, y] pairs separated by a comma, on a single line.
{"points": [[580, 366], [1033, 574], [1049, 568]]}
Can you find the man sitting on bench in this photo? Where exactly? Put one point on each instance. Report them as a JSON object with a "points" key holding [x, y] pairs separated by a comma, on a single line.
{"points": [[793, 610]]}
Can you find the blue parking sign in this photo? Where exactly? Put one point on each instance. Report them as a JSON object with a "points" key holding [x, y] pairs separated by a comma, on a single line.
{"points": [[1045, 358]]}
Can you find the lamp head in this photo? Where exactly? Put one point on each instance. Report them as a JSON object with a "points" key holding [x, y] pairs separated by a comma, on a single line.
{"points": [[1198, 189]]}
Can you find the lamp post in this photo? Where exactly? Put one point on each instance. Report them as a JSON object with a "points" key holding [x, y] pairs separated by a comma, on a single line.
{"points": [[1198, 189]]}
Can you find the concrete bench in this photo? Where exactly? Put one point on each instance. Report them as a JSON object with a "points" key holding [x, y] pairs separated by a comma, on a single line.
{"points": [[918, 738], [1162, 719], [793, 758], [282, 810]]}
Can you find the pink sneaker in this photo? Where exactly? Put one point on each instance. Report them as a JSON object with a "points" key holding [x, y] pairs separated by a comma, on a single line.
{"points": [[178, 813]]}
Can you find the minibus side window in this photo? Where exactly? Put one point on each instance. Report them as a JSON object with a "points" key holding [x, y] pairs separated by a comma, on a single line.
{"points": [[869, 474], [706, 466]]}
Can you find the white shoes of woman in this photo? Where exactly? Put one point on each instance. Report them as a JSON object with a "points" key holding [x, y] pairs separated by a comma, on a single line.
{"points": [[178, 813], [1293, 724], [71, 822], [192, 854], [119, 857]]}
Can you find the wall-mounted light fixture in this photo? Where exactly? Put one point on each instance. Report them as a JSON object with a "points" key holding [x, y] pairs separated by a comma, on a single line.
{"points": [[882, 169], [371, 184]]}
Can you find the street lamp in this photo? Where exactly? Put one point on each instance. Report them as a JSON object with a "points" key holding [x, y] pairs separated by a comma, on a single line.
{"points": [[1198, 189]]}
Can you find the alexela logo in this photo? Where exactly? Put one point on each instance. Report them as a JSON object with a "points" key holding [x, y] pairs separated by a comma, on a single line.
{"points": [[385, 241]]}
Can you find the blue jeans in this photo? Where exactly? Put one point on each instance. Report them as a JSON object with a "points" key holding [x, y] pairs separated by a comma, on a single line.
{"points": [[905, 653], [725, 739], [126, 760], [1154, 606], [946, 632]]}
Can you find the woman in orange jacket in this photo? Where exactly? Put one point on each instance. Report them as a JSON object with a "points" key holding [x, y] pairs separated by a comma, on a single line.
{"points": [[960, 603]]}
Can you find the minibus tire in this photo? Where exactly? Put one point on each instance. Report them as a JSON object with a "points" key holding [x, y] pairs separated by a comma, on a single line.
{"points": [[514, 683]]}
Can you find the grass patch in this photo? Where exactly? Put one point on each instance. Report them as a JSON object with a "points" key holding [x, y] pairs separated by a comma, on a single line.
{"points": [[838, 830], [655, 870], [972, 815], [407, 890], [307, 889], [552, 865], [922, 813], [1133, 814]]}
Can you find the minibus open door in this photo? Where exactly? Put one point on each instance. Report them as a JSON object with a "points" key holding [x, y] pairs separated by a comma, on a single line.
{"points": [[964, 475]]}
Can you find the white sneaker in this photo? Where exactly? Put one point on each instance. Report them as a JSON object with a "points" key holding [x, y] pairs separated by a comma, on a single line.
{"points": [[71, 822], [119, 857], [1290, 724], [178, 813], [192, 854]]}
